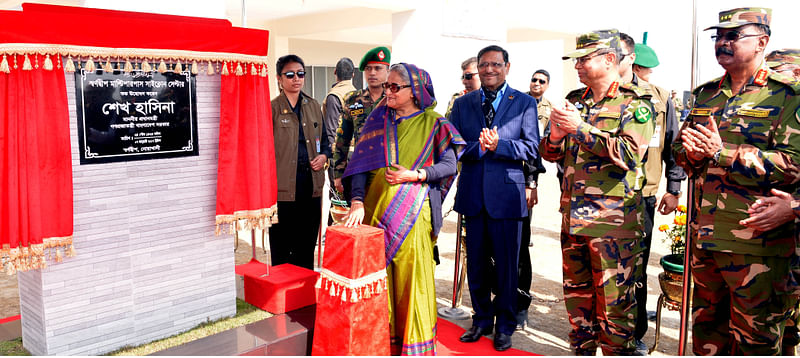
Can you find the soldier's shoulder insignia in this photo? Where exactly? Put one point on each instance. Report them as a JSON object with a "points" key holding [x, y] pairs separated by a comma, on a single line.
{"points": [[786, 80], [643, 114], [715, 82], [351, 96], [576, 94], [640, 91]]}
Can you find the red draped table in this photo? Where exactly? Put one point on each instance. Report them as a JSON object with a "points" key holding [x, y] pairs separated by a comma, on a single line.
{"points": [[352, 304]]}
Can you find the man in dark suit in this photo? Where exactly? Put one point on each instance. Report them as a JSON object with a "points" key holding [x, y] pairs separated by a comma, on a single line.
{"points": [[500, 127]]}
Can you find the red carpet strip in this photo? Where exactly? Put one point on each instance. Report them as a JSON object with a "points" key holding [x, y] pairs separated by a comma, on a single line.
{"points": [[449, 345]]}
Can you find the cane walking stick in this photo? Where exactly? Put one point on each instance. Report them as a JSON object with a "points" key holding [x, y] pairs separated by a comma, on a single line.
{"points": [[454, 312], [690, 213]]}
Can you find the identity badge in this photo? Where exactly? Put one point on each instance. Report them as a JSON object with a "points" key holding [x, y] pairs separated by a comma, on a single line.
{"points": [[318, 147]]}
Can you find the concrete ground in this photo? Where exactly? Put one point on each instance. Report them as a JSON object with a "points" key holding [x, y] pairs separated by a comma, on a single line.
{"points": [[547, 333]]}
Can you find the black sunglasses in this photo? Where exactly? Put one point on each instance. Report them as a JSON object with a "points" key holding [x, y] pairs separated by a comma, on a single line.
{"points": [[534, 80], [732, 36], [394, 87], [290, 74], [468, 76]]}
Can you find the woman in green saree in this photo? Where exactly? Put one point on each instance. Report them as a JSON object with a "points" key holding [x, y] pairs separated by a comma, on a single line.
{"points": [[399, 174]]}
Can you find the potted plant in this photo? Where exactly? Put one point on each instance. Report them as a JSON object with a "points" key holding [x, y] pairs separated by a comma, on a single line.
{"points": [[671, 279]]}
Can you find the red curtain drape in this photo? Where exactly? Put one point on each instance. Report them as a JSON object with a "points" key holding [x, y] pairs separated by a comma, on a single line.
{"points": [[35, 166], [246, 183]]}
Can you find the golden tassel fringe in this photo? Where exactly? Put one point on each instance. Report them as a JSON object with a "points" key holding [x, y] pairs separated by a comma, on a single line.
{"points": [[253, 69], [210, 69], [107, 67], [146, 67], [225, 69], [194, 67], [59, 257], [239, 70], [162, 67], [264, 71], [128, 66], [178, 67], [70, 66], [89, 66], [26, 66], [4, 65], [48, 63]]}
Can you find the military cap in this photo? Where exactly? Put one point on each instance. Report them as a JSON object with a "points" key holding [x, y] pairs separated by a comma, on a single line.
{"points": [[783, 57], [598, 40], [377, 55], [645, 56], [729, 19]]}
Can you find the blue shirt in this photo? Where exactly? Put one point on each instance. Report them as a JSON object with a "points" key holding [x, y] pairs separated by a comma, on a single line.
{"points": [[499, 97]]}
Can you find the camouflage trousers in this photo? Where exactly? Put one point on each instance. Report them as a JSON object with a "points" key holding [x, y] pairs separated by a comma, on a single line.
{"points": [[599, 278], [740, 303]]}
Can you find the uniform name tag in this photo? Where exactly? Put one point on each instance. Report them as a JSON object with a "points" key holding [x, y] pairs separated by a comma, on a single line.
{"points": [[608, 115], [757, 113], [702, 112]]}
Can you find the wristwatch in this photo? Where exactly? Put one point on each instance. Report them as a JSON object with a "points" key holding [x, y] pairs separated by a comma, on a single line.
{"points": [[419, 174], [716, 156], [532, 185], [675, 193]]}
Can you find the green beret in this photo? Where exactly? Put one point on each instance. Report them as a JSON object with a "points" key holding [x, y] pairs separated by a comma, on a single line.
{"points": [[377, 55], [729, 19], [645, 56], [598, 40]]}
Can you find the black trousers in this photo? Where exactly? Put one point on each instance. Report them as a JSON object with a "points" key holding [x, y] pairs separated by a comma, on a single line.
{"points": [[524, 268], [493, 243], [640, 292], [293, 239]]}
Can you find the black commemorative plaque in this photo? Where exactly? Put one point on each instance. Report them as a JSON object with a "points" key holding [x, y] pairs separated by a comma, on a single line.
{"points": [[136, 115]]}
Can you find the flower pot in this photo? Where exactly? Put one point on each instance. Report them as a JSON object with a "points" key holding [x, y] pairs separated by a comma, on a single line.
{"points": [[671, 280]]}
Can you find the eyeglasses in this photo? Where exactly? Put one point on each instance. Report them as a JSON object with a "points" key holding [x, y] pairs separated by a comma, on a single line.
{"points": [[468, 76], [621, 56], [732, 36], [534, 80], [493, 64], [290, 74], [394, 87], [582, 60]]}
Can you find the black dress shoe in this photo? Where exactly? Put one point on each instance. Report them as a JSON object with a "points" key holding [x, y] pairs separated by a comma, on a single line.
{"points": [[474, 333], [502, 342]]}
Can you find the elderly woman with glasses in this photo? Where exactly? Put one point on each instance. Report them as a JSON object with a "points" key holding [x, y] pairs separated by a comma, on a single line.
{"points": [[400, 173], [301, 154]]}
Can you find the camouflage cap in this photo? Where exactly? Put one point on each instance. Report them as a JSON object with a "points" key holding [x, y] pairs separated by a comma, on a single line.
{"points": [[783, 57], [596, 40], [377, 55], [645, 56], [729, 19]]}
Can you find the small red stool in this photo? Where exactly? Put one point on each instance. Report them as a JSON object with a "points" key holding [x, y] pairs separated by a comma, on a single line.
{"points": [[353, 304], [287, 288]]}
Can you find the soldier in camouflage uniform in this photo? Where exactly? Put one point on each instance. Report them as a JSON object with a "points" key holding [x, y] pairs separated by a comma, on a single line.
{"points": [[601, 133], [470, 80], [357, 107], [769, 213], [741, 139]]}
